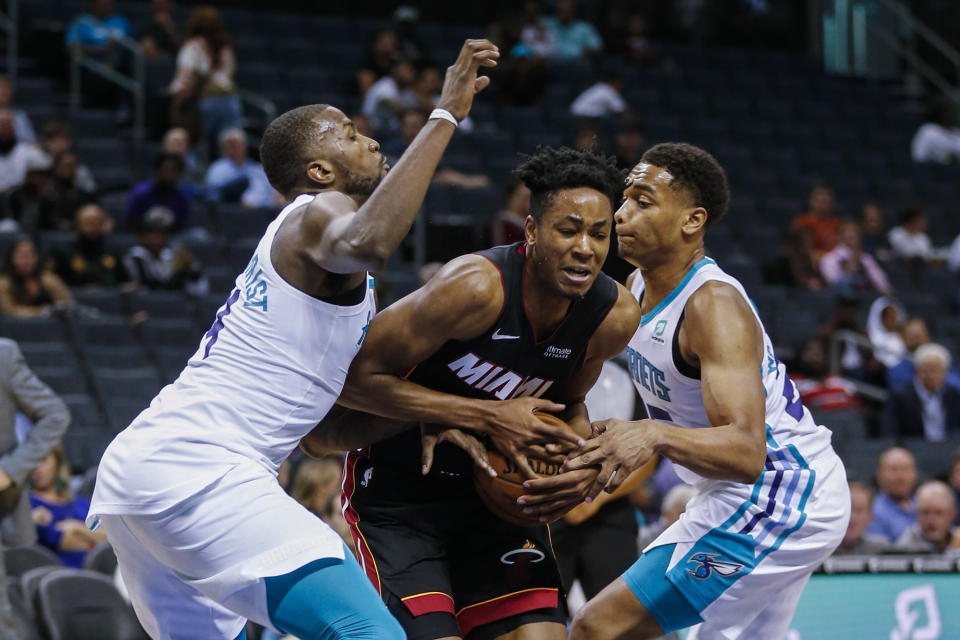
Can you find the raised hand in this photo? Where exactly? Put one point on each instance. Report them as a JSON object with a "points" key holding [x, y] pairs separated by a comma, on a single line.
{"points": [[461, 82]]}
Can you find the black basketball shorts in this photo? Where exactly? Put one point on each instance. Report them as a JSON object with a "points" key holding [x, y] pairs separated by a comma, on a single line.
{"points": [[445, 565]]}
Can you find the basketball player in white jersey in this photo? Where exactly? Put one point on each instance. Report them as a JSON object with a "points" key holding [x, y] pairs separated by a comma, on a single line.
{"points": [[773, 500], [205, 537]]}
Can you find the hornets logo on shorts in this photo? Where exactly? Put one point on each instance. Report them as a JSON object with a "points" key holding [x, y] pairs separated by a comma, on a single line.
{"points": [[707, 563]]}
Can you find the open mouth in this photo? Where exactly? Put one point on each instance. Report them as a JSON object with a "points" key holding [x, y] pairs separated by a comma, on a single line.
{"points": [[578, 275]]}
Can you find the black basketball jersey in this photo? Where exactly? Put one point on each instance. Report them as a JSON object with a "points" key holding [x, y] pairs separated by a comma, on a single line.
{"points": [[506, 361]]}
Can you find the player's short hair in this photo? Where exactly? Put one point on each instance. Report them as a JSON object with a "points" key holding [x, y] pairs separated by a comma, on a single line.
{"points": [[553, 169], [695, 171], [286, 145]]}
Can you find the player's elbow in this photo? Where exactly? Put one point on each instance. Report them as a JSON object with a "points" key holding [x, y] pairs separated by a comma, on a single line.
{"points": [[751, 463]]}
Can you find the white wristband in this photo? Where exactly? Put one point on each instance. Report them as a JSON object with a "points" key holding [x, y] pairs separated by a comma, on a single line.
{"points": [[443, 114]]}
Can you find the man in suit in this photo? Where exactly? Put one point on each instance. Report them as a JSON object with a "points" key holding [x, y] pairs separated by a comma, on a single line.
{"points": [[926, 407], [21, 391]]}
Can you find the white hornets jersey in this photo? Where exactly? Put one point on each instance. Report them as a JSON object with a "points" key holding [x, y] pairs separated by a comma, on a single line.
{"points": [[670, 387], [266, 372]]}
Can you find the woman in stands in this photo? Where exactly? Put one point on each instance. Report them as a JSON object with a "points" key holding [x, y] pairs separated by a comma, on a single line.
{"points": [[26, 290], [58, 514], [204, 82]]}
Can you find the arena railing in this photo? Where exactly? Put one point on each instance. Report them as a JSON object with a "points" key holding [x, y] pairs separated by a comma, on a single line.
{"points": [[10, 25], [135, 84]]}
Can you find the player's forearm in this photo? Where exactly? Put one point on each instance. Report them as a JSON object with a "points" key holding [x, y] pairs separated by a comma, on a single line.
{"points": [[725, 452], [382, 222], [344, 429], [391, 396], [578, 418]]}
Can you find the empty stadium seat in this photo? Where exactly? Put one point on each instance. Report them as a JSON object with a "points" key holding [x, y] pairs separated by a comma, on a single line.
{"points": [[18, 560], [101, 559], [78, 605]]}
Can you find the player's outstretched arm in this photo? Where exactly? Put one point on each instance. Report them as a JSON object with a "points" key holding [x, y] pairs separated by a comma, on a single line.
{"points": [[349, 242], [459, 303], [724, 335]]}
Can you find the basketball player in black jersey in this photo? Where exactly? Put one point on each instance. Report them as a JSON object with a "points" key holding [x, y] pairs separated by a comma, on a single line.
{"points": [[535, 319]]}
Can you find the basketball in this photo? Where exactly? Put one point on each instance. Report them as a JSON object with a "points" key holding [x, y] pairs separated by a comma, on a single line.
{"points": [[500, 494]]}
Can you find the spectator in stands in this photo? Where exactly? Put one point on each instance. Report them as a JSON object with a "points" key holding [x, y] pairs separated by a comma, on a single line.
{"points": [[856, 361], [933, 532], [88, 261], [410, 45], [928, 408], [58, 514], [873, 232], [22, 392], [857, 540], [915, 334], [411, 121], [884, 325], [573, 39], [164, 190], [204, 80], [234, 177], [909, 240], [30, 206], [537, 37], [159, 35], [154, 265], [70, 188], [523, 78], [95, 33], [938, 139], [177, 142], [22, 127], [819, 389], [57, 138], [603, 99], [671, 508], [389, 97], [821, 219], [799, 263], [26, 290], [893, 508], [507, 225], [849, 270], [14, 153], [636, 47], [378, 59]]}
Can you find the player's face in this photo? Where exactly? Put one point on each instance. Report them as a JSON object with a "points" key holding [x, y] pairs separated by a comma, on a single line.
{"points": [[652, 215], [571, 241], [356, 156]]}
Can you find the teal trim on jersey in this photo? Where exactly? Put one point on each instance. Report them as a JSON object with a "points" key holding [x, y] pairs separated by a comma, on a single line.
{"points": [[770, 439], [800, 521], [673, 294], [796, 456], [647, 579]]}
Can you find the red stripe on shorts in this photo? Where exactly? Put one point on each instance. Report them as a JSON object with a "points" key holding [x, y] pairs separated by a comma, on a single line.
{"points": [[364, 555], [504, 607]]}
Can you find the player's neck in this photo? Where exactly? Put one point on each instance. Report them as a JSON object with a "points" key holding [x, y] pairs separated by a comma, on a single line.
{"points": [[545, 309], [662, 278]]}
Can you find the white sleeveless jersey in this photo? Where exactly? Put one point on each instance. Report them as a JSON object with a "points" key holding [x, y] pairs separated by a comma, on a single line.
{"points": [[266, 372], [670, 388]]}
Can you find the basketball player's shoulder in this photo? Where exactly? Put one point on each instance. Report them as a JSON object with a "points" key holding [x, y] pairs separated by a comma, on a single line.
{"points": [[718, 310], [325, 205], [632, 278], [470, 287]]}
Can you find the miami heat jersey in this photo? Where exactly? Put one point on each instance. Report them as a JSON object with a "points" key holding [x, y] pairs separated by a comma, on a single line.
{"points": [[266, 372], [670, 387], [506, 361]]}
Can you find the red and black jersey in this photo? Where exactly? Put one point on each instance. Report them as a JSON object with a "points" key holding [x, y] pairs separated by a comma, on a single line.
{"points": [[505, 361]]}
